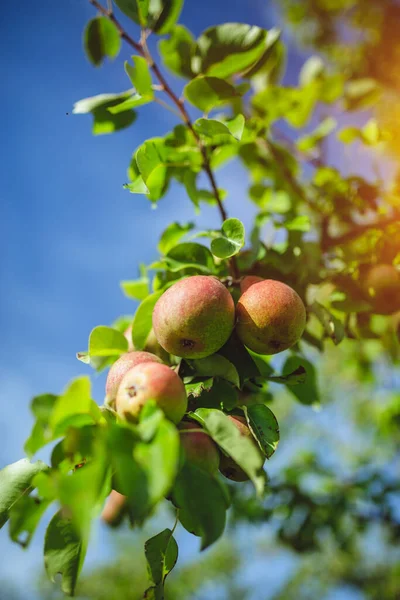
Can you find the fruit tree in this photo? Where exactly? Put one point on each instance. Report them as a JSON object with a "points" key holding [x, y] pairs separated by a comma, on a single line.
{"points": [[222, 313]]}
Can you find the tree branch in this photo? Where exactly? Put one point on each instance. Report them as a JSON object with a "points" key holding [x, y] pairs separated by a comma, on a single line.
{"points": [[331, 242], [142, 49]]}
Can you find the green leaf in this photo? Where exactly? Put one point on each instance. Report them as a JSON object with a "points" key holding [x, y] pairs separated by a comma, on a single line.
{"points": [[310, 141], [101, 38], [213, 128], [133, 102], [142, 321], [299, 375], [64, 552], [161, 553], [201, 502], [263, 364], [196, 389], [300, 223], [313, 69], [83, 492], [188, 255], [15, 481], [264, 427], [140, 76], [238, 447], [88, 105], [307, 392], [149, 421], [231, 241], [347, 135], [74, 407], [137, 289], [227, 49], [157, 15], [144, 471], [103, 121], [164, 19], [24, 518], [137, 185], [208, 92], [212, 393], [236, 126], [270, 58], [176, 51], [159, 459], [151, 162], [129, 478], [215, 366], [332, 326], [104, 341], [191, 253], [272, 201], [137, 10], [171, 236], [42, 407], [239, 356], [370, 134], [361, 93]]}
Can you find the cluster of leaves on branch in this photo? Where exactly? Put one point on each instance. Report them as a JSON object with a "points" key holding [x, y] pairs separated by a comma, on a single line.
{"points": [[333, 250], [360, 35]]}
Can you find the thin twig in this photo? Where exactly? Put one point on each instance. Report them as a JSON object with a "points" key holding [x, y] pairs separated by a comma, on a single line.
{"points": [[121, 30], [142, 49], [167, 106]]}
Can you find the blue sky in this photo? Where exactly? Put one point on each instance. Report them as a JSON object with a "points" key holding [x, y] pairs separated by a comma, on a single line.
{"points": [[69, 232]]}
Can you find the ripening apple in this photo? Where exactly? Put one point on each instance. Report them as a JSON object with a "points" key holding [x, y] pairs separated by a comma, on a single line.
{"points": [[271, 316], [114, 510], [151, 381], [194, 317], [121, 367], [381, 285]]}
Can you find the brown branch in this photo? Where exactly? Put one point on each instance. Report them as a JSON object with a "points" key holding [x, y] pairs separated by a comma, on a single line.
{"points": [[359, 230], [121, 30], [142, 49]]}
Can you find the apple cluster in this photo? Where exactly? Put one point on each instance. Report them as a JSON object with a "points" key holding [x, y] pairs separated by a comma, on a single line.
{"points": [[193, 319]]}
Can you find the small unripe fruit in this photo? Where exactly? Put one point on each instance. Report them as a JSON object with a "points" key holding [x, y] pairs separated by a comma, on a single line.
{"points": [[271, 317], [151, 381], [195, 317], [128, 336], [115, 509], [153, 346], [227, 466], [199, 449], [381, 285], [248, 281], [121, 367]]}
